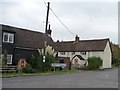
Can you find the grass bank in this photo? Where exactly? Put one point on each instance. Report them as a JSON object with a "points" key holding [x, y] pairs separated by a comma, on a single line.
{"points": [[38, 73]]}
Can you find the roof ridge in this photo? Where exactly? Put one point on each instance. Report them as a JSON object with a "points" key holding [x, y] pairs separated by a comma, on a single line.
{"points": [[20, 28], [85, 40]]}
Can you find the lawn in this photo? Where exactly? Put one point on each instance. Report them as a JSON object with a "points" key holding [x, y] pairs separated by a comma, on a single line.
{"points": [[38, 73]]}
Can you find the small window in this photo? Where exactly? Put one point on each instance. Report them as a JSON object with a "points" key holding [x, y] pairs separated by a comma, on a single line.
{"points": [[8, 37], [9, 59], [62, 53], [5, 35], [61, 61], [76, 61], [73, 53], [83, 53]]}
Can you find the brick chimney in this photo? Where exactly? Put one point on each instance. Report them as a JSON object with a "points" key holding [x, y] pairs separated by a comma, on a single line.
{"points": [[58, 41], [49, 31], [77, 39]]}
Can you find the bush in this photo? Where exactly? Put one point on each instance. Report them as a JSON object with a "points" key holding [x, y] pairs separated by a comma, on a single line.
{"points": [[36, 64], [94, 63], [115, 61], [4, 58], [28, 69]]}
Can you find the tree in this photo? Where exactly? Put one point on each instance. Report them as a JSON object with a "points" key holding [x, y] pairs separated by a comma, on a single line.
{"points": [[115, 54]]}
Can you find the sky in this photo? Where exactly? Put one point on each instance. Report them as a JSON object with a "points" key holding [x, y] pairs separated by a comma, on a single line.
{"points": [[89, 19]]}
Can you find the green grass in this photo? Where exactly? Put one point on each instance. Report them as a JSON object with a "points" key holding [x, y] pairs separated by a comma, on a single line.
{"points": [[38, 73]]}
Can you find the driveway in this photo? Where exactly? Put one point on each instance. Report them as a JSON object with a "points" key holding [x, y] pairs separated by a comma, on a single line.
{"points": [[84, 79]]}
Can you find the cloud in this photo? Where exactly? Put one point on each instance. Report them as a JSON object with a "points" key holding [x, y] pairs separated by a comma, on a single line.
{"points": [[87, 19]]}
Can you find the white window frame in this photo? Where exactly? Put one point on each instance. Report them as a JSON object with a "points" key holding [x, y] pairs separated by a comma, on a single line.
{"points": [[83, 53], [73, 53], [8, 39], [62, 53], [11, 56]]}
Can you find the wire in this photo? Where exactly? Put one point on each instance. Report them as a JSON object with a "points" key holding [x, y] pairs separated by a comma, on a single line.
{"points": [[44, 3], [60, 20], [62, 23]]}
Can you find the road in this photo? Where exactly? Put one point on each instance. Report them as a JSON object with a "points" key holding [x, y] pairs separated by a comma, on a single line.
{"points": [[84, 79]]}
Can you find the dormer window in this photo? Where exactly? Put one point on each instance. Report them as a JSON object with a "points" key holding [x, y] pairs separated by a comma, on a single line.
{"points": [[8, 37]]}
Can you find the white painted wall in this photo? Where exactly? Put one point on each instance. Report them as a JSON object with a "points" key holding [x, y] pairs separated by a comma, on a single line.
{"points": [[69, 54], [107, 57]]}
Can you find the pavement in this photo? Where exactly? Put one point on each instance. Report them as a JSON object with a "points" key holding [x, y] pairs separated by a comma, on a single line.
{"points": [[85, 79]]}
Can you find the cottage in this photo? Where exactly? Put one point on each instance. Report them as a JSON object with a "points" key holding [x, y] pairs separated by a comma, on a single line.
{"points": [[85, 49], [21, 43]]}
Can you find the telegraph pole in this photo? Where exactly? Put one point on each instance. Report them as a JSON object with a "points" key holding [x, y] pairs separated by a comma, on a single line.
{"points": [[44, 56], [47, 17]]}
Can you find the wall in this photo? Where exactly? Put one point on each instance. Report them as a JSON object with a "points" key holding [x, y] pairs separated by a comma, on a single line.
{"points": [[0, 40], [0, 53], [9, 47], [23, 54], [69, 54], [107, 58], [96, 53]]}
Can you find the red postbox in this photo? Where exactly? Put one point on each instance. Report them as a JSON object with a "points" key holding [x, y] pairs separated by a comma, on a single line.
{"points": [[22, 64]]}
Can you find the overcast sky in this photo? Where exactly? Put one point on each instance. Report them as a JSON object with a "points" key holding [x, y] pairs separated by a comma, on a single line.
{"points": [[95, 19]]}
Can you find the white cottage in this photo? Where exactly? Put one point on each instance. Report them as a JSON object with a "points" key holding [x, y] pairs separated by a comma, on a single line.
{"points": [[86, 48]]}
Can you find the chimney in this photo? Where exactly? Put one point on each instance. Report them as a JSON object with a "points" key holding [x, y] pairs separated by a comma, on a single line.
{"points": [[58, 41], [77, 39], [49, 31]]}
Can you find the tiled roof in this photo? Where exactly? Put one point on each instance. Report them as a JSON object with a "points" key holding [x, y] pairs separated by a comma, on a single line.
{"points": [[82, 45], [32, 39], [27, 38]]}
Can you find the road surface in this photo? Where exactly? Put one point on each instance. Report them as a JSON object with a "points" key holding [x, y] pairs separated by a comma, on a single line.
{"points": [[84, 79]]}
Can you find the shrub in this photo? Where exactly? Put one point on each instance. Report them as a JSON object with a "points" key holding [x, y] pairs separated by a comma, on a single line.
{"points": [[36, 64], [4, 58], [28, 69], [115, 61], [94, 63]]}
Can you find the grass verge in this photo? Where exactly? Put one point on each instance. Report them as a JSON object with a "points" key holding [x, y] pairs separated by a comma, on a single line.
{"points": [[38, 73]]}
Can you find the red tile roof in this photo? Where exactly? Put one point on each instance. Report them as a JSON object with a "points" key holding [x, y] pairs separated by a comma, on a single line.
{"points": [[82, 45]]}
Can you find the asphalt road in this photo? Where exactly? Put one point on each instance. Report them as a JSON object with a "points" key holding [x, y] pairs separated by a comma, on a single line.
{"points": [[83, 79]]}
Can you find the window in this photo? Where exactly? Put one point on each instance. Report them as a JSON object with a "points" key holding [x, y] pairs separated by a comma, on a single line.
{"points": [[76, 61], [61, 60], [62, 53], [9, 59], [96, 54], [83, 53], [73, 53], [8, 37]]}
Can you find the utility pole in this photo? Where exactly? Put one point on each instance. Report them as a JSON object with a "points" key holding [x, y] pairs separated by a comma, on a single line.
{"points": [[44, 56], [47, 17]]}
